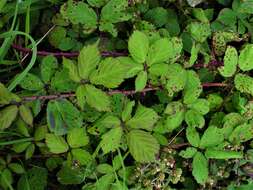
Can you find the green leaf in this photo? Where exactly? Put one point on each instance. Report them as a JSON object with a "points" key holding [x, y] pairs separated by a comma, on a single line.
{"points": [[105, 182], [142, 145], [200, 168], [176, 78], [17, 168], [144, 118], [241, 133], [61, 81], [96, 98], [6, 97], [6, 178], [35, 178], [77, 137], [188, 152], [132, 67], [56, 144], [29, 151], [82, 156], [158, 16], [200, 105], [199, 31], [159, 69], [223, 154], [72, 69], [70, 175], [175, 112], [26, 114], [141, 81], [80, 96], [48, 67], [194, 54], [245, 58], [194, 119], [79, 13], [110, 73], [111, 140], [212, 136], [230, 62], [126, 113], [138, 46], [193, 88], [244, 83], [7, 116], [192, 136], [40, 133], [88, 60], [62, 116], [230, 121], [104, 168], [20, 147], [31, 82], [160, 51]]}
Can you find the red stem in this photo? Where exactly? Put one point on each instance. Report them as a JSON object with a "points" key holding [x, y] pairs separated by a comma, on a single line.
{"points": [[111, 92], [66, 54]]}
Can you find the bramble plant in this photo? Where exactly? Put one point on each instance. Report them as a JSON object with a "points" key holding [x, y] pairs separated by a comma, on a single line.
{"points": [[118, 94]]}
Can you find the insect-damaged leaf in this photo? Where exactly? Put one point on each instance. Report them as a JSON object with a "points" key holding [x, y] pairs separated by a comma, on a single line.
{"points": [[193, 88], [62, 116], [244, 83], [176, 78]]}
